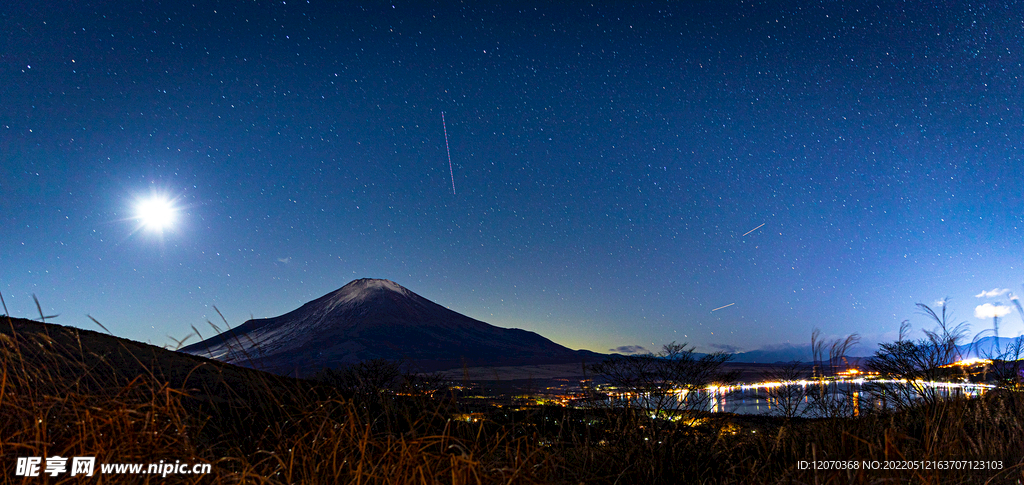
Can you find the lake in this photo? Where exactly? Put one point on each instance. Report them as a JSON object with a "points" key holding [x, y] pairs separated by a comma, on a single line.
{"points": [[757, 399]]}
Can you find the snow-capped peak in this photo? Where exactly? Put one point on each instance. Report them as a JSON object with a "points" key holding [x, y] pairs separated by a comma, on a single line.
{"points": [[360, 290]]}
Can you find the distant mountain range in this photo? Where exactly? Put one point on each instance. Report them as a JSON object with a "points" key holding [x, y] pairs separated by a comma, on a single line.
{"points": [[994, 347], [776, 353], [379, 319], [987, 347]]}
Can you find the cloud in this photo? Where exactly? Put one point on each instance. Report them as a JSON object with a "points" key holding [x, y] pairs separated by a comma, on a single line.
{"points": [[629, 349], [989, 310], [729, 349], [284, 260], [994, 292]]}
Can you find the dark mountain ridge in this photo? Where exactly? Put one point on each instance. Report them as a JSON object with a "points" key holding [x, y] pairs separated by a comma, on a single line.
{"points": [[378, 319]]}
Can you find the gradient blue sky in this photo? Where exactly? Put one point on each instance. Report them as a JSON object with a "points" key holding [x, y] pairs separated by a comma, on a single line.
{"points": [[608, 161]]}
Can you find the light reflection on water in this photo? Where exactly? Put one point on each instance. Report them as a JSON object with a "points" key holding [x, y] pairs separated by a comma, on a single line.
{"points": [[756, 399]]}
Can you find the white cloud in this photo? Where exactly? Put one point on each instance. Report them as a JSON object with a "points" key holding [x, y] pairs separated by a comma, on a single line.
{"points": [[989, 310], [992, 293], [285, 260]]}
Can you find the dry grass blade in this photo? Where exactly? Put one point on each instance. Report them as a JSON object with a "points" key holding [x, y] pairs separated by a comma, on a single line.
{"points": [[97, 322]]}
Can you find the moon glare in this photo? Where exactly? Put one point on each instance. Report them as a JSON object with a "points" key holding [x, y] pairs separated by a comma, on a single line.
{"points": [[155, 213]]}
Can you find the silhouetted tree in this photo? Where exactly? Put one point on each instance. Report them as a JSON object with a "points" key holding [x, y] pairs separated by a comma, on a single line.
{"points": [[911, 365], [372, 378], [672, 380], [786, 398]]}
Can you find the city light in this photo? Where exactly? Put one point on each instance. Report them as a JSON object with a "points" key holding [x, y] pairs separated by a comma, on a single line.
{"points": [[973, 361]]}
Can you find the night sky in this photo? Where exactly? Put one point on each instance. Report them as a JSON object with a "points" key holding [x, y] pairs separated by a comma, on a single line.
{"points": [[620, 170]]}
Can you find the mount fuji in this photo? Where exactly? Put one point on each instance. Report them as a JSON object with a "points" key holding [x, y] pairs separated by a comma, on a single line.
{"points": [[379, 319]]}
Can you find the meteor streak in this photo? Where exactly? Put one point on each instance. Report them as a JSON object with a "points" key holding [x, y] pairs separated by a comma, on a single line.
{"points": [[754, 229], [450, 171], [729, 305]]}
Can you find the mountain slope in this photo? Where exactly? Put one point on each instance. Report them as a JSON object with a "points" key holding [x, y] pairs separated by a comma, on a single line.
{"points": [[61, 360], [371, 319]]}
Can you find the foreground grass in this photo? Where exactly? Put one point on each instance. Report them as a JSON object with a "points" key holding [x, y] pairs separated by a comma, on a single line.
{"points": [[69, 392]]}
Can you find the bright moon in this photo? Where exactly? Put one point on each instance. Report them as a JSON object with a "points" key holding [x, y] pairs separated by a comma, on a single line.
{"points": [[155, 213]]}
